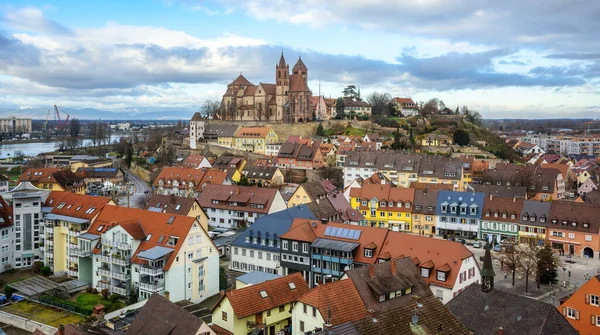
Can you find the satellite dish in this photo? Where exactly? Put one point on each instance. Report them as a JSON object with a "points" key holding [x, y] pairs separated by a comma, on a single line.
{"points": [[414, 319]]}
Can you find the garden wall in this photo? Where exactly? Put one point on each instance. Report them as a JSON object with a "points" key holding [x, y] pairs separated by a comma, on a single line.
{"points": [[24, 323]]}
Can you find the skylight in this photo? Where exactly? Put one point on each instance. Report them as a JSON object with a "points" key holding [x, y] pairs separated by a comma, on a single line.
{"points": [[171, 219], [263, 294], [292, 286]]}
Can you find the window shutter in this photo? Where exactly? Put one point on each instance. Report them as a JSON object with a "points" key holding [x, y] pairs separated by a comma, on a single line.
{"points": [[587, 298], [594, 320], [564, 311], [576, 315]]}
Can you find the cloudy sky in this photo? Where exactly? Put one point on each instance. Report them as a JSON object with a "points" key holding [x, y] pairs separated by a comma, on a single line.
{"points": [[525, 58]]}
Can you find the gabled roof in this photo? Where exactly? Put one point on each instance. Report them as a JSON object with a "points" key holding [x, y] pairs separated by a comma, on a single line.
{"points": [[193, 161], [252, 132], [245, 197], [338, 300], [65, 178], [241, 80], [484, 312], [379, 279], [196, 176], [500, 205], [260, 172], [249, 300], [160, 316], [574, 213], [170, 204], [155, 228]]}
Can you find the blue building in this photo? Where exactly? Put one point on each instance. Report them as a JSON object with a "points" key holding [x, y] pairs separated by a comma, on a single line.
{"points": [[458, 214], [257, 249]]}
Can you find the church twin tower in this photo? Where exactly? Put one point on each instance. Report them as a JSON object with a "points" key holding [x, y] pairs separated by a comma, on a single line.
{"points": [[288, 100]]}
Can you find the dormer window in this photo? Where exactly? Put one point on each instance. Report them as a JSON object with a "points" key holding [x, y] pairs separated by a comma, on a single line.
{"points": [[513, 216], [369, 253], [544, 188], [463, 210], [407, 205], [382, 204], [399, 204], [564, 223], [504, 215], [441, 275], [525, 217], [554, 221], [425, 272], [364, 203], [444, 208], [473, 210], [453, 209], [574, 224], [487, 214], [586, 225], [532, 218], [390, 204], [542, 219], [495, 214], [247, 239]]}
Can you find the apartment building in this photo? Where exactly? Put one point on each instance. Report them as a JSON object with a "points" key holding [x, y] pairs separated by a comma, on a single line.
{"points": [[129, 249], [574, 228], [54, 179], [500, 220], [532, 222], [188, 182], [404, 168], [261, 308], [301, 156], [7, 236], [423, 212], [566, 144], [257, 248], [232, 206], [67, 216], [384, 206], [27, 201], [254, 139], [458, 214]]}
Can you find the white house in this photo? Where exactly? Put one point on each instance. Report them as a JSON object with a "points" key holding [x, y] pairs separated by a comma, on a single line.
{"points": [[152, 252], [7, 237], [197, 124], [233, 206]]}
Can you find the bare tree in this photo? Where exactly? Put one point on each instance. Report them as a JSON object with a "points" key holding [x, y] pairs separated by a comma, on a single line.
{"points": [[510, 257], [210, 109], [528, 264], [142, 202]]}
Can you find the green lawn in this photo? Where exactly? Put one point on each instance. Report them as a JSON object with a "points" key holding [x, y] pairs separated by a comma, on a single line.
{"points": [[354, 132], [85, 299], [47, 315]]}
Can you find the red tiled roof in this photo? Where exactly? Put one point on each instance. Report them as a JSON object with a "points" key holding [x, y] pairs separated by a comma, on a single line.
{"points": [[65, 178], [386, 193], [406, 102], [197, 176], [224, 193], [142, 223], [6, 214], [248, 300], [501, 206], [340, 299], [251, 132], [75, 205], [193, 161]]}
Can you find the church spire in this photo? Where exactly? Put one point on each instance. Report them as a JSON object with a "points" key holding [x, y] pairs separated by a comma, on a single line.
{"points": [[281, 60], [487, 272]]}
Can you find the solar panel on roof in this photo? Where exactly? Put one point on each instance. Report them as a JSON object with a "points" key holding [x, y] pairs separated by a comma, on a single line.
{"points": [[346, 233], [327, 231], [339, 232], [356, 235], [334, 231]]}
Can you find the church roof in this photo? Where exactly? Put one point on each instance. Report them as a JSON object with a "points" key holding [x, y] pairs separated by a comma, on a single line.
{"points": [[298, 84], [241, 80], [269, 88], [299, 66], [250, 90]]}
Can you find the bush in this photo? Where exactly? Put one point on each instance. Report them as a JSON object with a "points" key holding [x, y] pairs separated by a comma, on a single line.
{"points": [[104, 293], [8, 291], [94, 290], [37, 266], [113, 298], [45, 271], [88, 289]]}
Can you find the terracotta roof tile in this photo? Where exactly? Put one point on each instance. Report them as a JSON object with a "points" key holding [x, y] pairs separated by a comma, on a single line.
{"points": [[223, 193], [196, 176], [249, 301], [340, 299], [6, 214], [193, 161], [252, 132], [75, 205]]}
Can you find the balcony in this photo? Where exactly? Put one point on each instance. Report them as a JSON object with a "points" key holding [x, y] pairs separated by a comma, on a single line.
{"points": [[73, 273], [153, 286], [120, 290], [120, 276], [80, 252], [151, 271], [74, 233], [119, 260], [103, 285], [118, 245], [104, 272]]}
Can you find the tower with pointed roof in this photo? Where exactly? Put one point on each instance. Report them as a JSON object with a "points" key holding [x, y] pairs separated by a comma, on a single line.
{"points": [[282, 77], [487, 272]]}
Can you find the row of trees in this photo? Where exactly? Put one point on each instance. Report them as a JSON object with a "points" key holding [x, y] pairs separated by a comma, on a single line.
{"points": [[531, 261]]}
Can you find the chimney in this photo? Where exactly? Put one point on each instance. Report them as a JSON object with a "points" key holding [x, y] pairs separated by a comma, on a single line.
{"points": [[393, 267], [324, 221], [514, 199], [372, 271], [491, 196], [500, 331]]}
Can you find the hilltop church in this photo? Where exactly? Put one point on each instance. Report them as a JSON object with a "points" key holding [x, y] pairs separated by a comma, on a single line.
{"points": [[287, 101]]}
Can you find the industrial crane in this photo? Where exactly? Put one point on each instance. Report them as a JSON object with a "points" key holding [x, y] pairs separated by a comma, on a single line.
{"points": [[45, 125], [61, 124]]}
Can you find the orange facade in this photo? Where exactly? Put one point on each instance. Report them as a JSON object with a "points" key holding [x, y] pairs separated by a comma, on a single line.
{"points": [[582, 309]]}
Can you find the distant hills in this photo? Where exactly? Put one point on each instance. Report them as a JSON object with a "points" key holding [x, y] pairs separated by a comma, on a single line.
{"points": [[95, 114]]}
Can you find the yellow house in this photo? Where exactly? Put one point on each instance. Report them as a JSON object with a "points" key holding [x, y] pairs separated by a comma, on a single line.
{"points": [[178, 205], [54, 179], [233, 165], [71, 214], [423, 216], [384, 206], [436, 140], [266, 305], [307, 193], [254, 139]]}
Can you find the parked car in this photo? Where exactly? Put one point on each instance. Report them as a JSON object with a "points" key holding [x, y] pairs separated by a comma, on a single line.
{"points": [[477, 245], [461, 240], [498, 248]]}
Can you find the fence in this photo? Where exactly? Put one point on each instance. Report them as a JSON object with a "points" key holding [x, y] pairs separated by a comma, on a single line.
{"points": [[24, 323], [64, 305]]}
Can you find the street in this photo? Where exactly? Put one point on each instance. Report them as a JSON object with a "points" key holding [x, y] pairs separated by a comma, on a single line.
{"points": [[138, 190]]}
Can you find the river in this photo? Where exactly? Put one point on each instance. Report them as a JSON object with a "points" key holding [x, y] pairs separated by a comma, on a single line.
{"points": [[8, 149]]}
